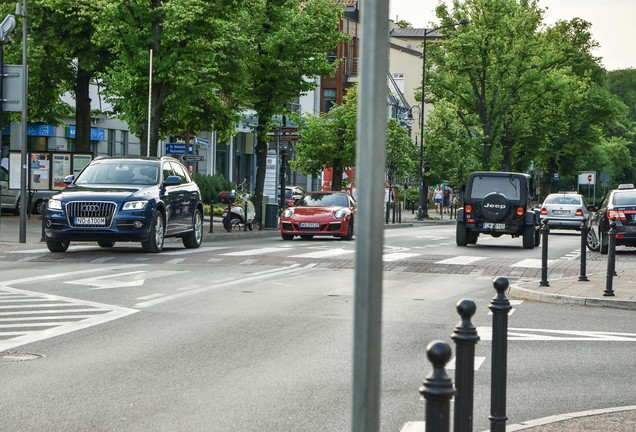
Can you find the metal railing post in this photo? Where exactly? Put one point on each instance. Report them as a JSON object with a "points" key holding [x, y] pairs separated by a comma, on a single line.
{"points": [[500, 306], [545, 231], [437, 388], [584, 230], [465, 337], [611, 260]]}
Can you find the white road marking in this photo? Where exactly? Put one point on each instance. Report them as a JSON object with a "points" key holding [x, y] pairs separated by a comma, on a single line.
{"points": [[259, 251], [523, 334], [414, 426], [397, 256], [461, 260], [58, 307], [191, 251], [531, 263], [259, 276], [174, 261], [323, 254], [478, 362]]}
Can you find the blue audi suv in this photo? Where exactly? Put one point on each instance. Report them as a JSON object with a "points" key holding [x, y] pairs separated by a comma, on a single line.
{"points": [[126, 199]]}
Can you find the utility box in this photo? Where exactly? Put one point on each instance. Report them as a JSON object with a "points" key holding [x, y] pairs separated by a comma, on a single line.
{"points": [[271, 216]]}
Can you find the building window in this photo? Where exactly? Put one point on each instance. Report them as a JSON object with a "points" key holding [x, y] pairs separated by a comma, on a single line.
{"points": [[328, 99]]}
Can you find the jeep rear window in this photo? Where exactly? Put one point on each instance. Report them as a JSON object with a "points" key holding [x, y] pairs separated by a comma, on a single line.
{"points": [[509, 186]]}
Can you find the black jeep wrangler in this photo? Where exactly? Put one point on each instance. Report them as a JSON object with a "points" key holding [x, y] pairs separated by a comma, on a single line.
{"points": [[498, 203]]}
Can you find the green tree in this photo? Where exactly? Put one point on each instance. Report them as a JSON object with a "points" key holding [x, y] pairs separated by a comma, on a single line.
{"points": [[328, 140], [401, 155], [199, 64], [522, 94], [289, 41]]}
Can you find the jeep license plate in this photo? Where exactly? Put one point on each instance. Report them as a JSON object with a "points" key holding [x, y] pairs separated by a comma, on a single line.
{"points": [[495, 226]]}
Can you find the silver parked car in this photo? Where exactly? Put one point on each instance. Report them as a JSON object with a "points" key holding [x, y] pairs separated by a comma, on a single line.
{"points": [[565, 210], [10, 198]]}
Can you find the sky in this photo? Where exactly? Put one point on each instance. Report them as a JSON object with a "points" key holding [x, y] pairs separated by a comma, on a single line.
{"points": [[612, 22]]}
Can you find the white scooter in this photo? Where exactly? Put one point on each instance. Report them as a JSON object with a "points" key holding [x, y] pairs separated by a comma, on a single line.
{"points": [[235, 213]]}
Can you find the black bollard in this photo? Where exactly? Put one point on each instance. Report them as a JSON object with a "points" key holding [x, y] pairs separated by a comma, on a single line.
{"points": [[545, 231], [399, 211], [245, 216], [437, 388], [611, 260], [465, 337], [500, 306], [584, 231], [387, 213]]}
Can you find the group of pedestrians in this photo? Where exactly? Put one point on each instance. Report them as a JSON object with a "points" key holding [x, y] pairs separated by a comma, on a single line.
{"points": [[443, 198]]}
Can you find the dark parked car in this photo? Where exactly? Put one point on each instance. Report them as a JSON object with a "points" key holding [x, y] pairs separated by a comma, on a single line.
{"points": [[619, 205], [135, 199], [498, 203], [565, 210]]}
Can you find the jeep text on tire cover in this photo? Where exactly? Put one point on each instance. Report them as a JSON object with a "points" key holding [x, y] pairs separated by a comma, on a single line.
{"points": [[497, 203]]}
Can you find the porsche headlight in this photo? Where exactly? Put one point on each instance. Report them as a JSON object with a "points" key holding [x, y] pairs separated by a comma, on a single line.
{"points": [[288, 213], [134, 205], [54, 204], [340, 214]]}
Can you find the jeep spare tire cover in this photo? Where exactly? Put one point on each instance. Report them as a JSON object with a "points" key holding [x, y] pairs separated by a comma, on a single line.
{"points": [[495, 206]]}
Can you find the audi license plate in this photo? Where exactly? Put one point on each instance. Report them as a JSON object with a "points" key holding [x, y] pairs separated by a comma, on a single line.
{"points": [[309, 225], [90, 221], [495, 226]]}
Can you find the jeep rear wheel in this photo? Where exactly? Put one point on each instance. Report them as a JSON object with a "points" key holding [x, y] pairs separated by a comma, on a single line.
{"points": [[461, 234], [495, 207], [528, 237]]}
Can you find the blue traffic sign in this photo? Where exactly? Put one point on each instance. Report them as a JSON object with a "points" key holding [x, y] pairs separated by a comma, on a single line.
{"points": [[175, 148]]}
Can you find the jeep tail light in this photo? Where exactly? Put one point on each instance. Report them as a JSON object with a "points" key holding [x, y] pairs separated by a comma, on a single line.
{"points": [[618, 214], [544, 211], [469, 208], [579, 212], [520, 211]]}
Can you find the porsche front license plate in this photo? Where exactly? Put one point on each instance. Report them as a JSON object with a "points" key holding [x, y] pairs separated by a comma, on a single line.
{"points": [[309, 225], [90, 221], [495, 226]]}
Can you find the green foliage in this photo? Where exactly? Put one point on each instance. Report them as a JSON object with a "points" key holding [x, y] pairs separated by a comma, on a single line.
{"points": [[522, 93], [211, 186], [401, 155], [622, 83]]}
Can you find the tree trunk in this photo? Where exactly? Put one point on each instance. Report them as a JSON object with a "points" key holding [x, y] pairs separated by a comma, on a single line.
{"points": [[336, 180], [82, 110], [261, 162], [158, 95]]}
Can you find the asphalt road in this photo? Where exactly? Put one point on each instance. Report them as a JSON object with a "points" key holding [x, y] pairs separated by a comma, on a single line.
{"points": [[256, 333]]}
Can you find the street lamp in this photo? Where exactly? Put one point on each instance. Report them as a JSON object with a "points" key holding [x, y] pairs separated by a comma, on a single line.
{"points": [[423, 203]]}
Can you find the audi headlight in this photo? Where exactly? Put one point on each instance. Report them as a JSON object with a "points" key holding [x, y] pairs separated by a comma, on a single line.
{"points": [[340, 214], [288, 213], [135, 205], [54, 204]]}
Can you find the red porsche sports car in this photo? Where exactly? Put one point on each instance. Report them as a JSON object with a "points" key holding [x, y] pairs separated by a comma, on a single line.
{"points": [[319, 214]]}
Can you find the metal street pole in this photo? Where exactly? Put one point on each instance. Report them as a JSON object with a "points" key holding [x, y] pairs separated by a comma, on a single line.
{"points": [[23, 151], [370, 161]]}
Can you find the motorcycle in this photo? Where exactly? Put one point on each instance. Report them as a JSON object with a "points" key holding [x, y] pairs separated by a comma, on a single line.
{"points": [[235, 213]]}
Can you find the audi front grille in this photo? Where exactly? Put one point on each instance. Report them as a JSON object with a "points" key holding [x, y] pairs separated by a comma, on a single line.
{"points": [[90, 214]]}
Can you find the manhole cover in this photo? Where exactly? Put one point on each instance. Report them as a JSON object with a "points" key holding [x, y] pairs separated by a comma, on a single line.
{"points": [[14, 356]]}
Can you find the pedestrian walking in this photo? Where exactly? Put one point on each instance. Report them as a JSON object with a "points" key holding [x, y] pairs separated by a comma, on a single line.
{"points": [[437, 198]]}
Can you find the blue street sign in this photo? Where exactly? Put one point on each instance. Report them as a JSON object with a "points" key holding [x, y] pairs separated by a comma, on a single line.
{"points": [[175, 148]]}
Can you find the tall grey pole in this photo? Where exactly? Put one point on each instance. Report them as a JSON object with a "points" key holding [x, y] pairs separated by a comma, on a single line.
{"points": [[370, 163], [23, 150], [422, 210]]}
